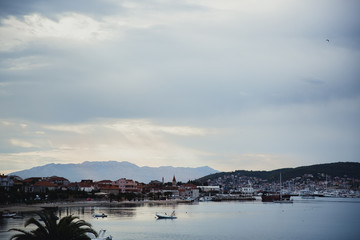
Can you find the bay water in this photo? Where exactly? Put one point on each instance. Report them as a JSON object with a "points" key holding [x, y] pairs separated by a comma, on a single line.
{"points": [[320, 218]]}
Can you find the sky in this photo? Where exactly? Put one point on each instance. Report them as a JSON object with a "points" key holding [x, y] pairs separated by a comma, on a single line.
{"points": [[231, 84]]}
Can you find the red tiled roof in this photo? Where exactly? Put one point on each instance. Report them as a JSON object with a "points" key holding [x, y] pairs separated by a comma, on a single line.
{"points": [[32, 179], [55, 178], [109, 188], [85, 185], [104, 182], [45, 184]]}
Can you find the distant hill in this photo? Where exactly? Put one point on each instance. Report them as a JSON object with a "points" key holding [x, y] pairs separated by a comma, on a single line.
{"points": [[113, 170], [339, 169]]}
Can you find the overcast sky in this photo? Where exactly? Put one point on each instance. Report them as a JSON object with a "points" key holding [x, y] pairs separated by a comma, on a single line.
{"points": [[231, 84]]}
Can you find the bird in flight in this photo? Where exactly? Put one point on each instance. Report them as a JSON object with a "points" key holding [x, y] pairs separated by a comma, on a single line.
{"points": [[327, 40]]}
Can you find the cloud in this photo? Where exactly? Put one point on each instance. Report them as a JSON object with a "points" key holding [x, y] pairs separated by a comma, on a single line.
{"points": [[17, 32], [136, 140], [148, 127], [21, 143], [24, 63], [208, 81]]}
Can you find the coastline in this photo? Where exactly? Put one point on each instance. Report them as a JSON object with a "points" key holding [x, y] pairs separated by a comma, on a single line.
{"points": [[37, 207]]}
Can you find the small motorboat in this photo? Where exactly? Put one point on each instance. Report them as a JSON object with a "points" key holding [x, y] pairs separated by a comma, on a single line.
{"points": [[100, 215], [166, 216], [8, 215]]}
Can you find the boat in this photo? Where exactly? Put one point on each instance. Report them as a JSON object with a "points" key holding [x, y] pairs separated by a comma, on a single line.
{"points": [[165, 216], [307, 194], [232, 197], [101, 236], [205, 198], [8, 215], [271, 196], [283, 199], [102, 215]]}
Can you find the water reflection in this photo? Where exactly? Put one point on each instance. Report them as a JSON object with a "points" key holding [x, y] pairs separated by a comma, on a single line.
{"points": [[323, 219], [88, 212]]}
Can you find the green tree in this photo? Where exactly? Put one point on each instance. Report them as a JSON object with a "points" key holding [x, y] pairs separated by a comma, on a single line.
{"points": [[69, 228]]}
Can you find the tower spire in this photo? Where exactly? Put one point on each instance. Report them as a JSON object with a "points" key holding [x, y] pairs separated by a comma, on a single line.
{"points": [[174, 181]]}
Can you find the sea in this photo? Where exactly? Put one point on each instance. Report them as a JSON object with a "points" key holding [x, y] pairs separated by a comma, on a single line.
{"points": [[319, 218]]}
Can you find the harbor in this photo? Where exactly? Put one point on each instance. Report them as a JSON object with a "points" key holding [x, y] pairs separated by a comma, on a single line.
{"points": [[326, 218]]}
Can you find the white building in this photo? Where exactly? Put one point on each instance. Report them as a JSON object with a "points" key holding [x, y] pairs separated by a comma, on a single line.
{"points": [[247, 190], [209, 188], [126, 185], [6, 182]]}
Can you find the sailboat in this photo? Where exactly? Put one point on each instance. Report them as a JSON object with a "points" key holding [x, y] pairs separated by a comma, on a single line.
{"points": [[282, 199]]}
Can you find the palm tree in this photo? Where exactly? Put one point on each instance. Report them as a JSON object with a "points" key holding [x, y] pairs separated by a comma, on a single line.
{"points": [[67, 228]]}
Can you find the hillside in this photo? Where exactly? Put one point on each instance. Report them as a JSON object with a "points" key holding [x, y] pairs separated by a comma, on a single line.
{"points": [[339, 169]]}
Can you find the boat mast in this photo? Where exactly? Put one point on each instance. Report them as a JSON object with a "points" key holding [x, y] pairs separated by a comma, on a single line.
{"points": [[280, 187]]}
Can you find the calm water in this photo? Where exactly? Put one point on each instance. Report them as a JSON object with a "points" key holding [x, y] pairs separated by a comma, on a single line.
{"points": [[322, 218]]}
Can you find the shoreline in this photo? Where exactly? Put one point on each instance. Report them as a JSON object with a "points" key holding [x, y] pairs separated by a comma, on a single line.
{"points": [[37, 207]]}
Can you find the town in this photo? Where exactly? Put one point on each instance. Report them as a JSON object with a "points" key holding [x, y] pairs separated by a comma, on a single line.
{"points": [[15, 190]]}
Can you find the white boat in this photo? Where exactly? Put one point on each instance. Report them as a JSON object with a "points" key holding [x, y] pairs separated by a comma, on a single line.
{"points": [[165, 216], [205, 198], [8, 215], [100, 215], [101, 236]]}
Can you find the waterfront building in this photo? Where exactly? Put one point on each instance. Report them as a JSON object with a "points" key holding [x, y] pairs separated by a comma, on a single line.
{"points": [[126, 185], [57, 180], [86, 186], [189, 191], [209, 188], [44, 186], [249, 191], [6, 182], [110, 189]]}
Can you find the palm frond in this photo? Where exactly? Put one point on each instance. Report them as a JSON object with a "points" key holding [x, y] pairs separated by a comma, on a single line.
{"points": [[68, 227]]}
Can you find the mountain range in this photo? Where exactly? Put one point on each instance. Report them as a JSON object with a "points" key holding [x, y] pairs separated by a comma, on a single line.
{"points": [[113, 170]]}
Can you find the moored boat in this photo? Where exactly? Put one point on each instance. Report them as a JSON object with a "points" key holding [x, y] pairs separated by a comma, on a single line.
{"points": [[276, 197], [165, 216], [101, 215], [271, 197], [282, 198], [8, 215]]}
